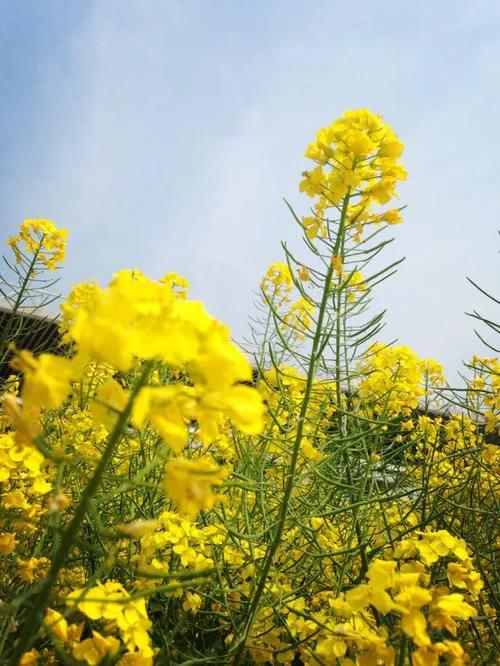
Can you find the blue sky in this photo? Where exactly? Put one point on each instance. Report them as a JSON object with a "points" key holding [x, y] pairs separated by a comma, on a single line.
{"points": [[164, 135]]}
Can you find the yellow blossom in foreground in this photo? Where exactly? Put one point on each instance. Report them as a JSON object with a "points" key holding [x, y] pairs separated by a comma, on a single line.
{"points": [[171, 408], [461, 575], [110, 399], [447, 608], [137, 318], [56, 624], [79, 295], [46, 379]]}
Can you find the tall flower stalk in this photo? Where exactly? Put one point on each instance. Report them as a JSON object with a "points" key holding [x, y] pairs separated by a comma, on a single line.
{"points": [[357, 170]]}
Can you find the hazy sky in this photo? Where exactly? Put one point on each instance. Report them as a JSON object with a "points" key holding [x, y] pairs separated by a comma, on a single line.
{"points": [[164, 134]]}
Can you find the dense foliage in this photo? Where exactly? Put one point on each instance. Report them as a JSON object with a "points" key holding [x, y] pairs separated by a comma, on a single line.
{"points": [[319, 498]]}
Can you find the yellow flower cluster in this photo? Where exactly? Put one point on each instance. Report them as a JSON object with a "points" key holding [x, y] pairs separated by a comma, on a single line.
{"points": [[20, 463], [42, 239], [394, 379], [175, 542], [348, 628], [484, 391], [111, 603], [356, 155], [277, 281], [138, 319], [81, 432], [79, 295], [283, 389], [454, 457], [25, 479]]}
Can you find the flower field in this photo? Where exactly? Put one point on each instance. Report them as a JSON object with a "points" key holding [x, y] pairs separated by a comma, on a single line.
{"points": [[316, 497]]}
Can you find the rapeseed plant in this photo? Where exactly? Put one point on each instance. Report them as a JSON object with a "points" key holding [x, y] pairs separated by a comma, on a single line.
{"points": [[166, 498]]}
